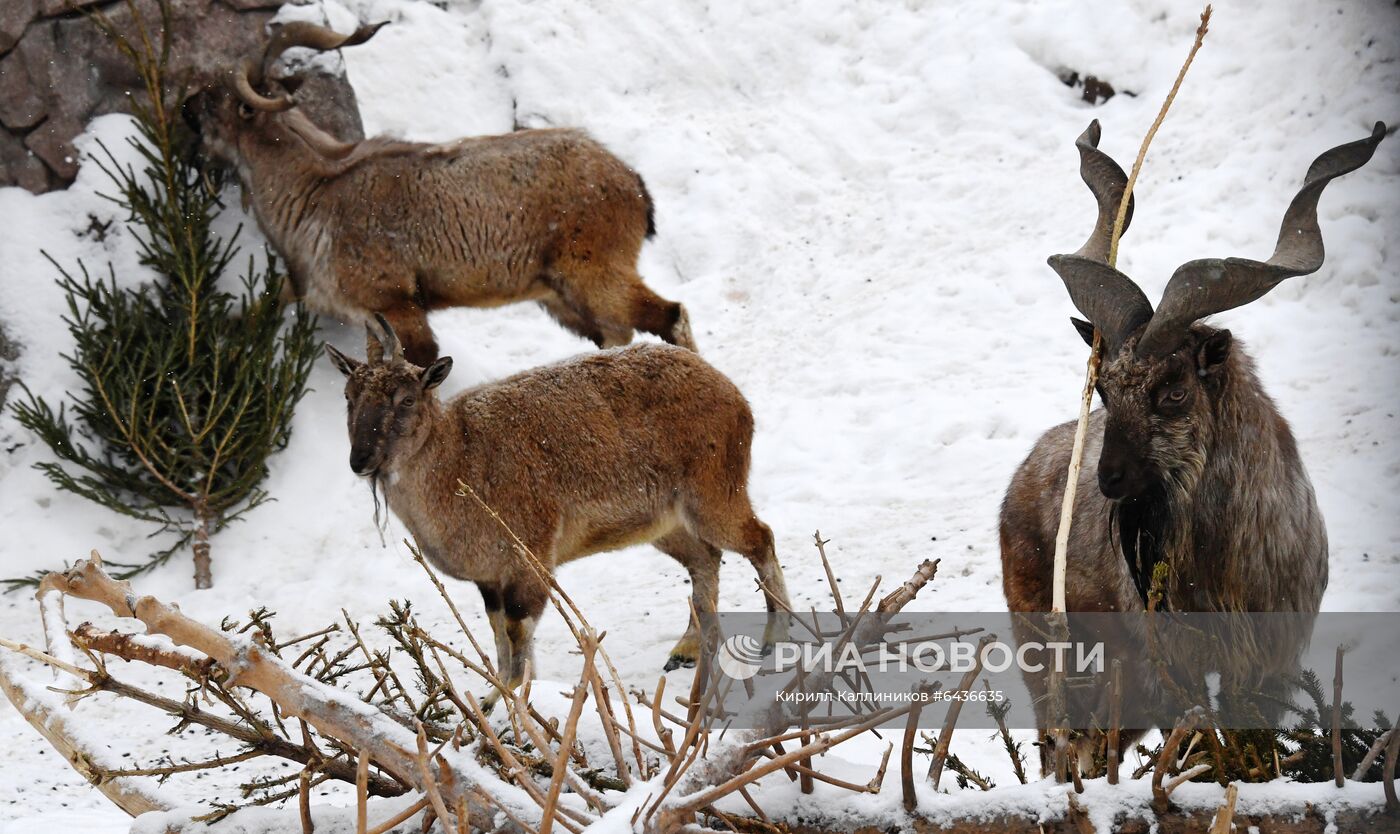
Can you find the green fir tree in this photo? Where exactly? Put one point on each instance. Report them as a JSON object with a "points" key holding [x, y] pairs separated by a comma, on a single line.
{"points": [[186, 390]]}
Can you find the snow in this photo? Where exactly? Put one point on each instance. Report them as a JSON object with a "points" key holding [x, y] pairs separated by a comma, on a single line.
{"points": [[855, 201], [1108, 806]]}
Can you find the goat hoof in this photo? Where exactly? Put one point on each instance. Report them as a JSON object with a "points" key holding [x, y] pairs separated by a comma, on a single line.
{"points": [[678, 662]]}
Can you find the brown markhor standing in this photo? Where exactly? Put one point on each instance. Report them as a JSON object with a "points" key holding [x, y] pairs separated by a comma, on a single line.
{"points": [[405, 228], [1188, 463], [636, 445]]}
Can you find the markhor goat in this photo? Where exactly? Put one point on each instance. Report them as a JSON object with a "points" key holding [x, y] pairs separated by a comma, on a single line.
{"points": [[403, 228], [1188, 464], [628, 446]]}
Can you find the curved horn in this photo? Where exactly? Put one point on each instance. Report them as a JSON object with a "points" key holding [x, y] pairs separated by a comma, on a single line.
{"points": [[1213, 285], [390, 339], [319, 140], [374, 351], [1107, 181], [243, 85], [1107, 298], [313, 36]]}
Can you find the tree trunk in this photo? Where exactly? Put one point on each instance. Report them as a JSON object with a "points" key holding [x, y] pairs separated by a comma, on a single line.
{"points": [[203, 577]]}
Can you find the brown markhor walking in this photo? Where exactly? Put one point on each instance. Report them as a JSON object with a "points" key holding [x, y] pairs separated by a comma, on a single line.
{"points": [[634, 445], [405, 228]]}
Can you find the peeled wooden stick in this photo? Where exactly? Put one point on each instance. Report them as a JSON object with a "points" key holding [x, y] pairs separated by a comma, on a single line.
{"points": [[362, 793], [663, 733], [1076, 462], [142, 648], [594, 799], [561, 762], [1167, 757], [1081, 428], [1115, 719], [830, 575], [757, 809], [1079, 816], [56, 725], [1186, 776], [878, 780], [626, 712], [304, 801], [1055, 683], [56, 638], [1122, 217], [906, 755], [804, 767], [603, 705], [1226, 815], [519, 772], [430, 786], [1392, 753], [400, 817], [1370, 758]]}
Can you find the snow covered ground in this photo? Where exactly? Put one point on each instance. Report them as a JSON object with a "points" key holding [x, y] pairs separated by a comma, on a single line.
{"points": [[855, 200]]}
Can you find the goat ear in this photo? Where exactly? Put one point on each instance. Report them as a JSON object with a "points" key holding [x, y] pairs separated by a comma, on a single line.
{"points": [[1213, 351], [436, 373], [343, 363], [1086, 330]]}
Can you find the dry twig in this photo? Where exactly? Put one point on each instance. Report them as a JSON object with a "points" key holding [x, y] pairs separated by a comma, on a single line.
{"points": [[1338, 777], [945, 736]]}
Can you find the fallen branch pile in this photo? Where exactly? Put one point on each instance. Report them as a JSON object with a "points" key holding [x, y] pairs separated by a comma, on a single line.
{"points": [[431, 751]]}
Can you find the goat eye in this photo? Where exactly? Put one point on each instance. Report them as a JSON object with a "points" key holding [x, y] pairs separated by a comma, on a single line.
{"points": [[408, 402], [1176, 395]]}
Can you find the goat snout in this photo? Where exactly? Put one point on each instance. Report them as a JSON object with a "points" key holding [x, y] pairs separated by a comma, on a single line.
{"points": [[1121, 479], [1111, 481], [362, 461]]}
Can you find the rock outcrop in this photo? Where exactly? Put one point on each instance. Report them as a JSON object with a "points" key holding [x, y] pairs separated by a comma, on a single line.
{"points": [[58, 71]]}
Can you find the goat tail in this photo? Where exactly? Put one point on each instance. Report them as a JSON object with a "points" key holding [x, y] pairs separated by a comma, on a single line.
{"points": [[651, 207]]}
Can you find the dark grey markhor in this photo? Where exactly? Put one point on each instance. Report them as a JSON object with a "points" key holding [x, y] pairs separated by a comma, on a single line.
{"points": [[1188, 463]]}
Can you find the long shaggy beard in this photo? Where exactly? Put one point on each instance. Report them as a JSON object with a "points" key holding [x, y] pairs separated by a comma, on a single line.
{"points": [[381, 523], [1140, 526], [1154, 528]]}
